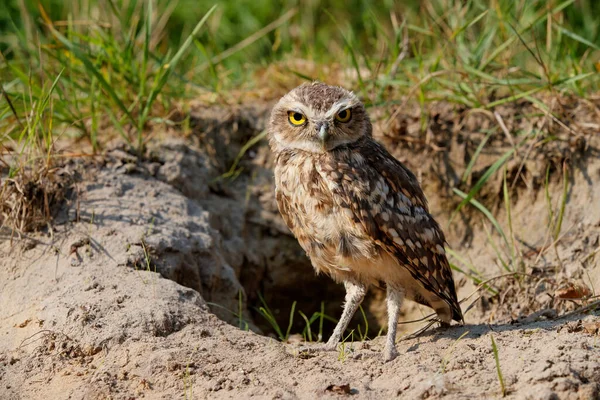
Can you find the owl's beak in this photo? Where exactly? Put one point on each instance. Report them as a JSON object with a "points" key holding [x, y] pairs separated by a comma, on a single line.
{"points": [[323, 133]]}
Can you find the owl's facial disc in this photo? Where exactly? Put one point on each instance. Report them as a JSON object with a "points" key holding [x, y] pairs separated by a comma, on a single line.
{"points": [[317, 118]]}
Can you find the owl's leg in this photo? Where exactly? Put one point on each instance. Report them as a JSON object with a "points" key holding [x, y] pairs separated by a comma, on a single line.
{"points": [[394, 300], [355, 293]]}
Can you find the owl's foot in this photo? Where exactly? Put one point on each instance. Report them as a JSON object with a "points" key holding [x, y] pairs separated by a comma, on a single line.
{"points": [[317, 348], [331, 345], [309, 351], [389, 353]]}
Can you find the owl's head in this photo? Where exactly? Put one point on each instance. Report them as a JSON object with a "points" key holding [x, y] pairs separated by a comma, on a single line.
{"points": [[317, 118]]}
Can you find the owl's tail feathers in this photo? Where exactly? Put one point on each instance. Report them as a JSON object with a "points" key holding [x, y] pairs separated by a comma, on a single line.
{"points": [[448, 311], [454, 304], [455, 309], [457, 314]]}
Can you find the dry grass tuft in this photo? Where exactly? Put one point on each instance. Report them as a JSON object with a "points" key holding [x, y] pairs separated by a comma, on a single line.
{"points": [[30, 199]]}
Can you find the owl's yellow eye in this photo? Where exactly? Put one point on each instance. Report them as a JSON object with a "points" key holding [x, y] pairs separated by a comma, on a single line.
{"points": [[296, 118], [344, 115]]}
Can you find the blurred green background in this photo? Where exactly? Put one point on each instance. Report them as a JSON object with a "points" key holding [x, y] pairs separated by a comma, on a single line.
{"points": [[130, 60], [316, 30]]}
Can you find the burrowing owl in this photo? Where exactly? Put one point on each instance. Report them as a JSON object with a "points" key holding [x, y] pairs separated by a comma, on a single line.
{"points": [[359, 213]]}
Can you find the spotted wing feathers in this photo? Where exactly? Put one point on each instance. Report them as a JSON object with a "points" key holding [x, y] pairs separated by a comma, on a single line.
{"points": [[385, 197]]}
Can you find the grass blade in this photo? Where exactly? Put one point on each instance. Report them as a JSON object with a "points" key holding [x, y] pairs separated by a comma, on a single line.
{"points": [[468, 25], [576, 37], [307, 329], [145, 55], [563, 202], [364, 336], [170, 66], [321, 318], [484, 178], [485, 212], [515, 97], [352, 54], [548, 198], [291, 322], [475, 156], [266, 312], [233, 171], [46, 99], [497, 360], [509, 217], [496, 250], [92, 69]]}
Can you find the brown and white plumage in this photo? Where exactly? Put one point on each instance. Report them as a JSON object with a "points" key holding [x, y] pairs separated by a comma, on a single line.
{"points": [[359, 213]]}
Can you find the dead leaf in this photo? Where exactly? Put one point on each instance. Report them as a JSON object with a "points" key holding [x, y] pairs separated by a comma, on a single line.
{"points": [[593, 328], [23, 324], [144, 385], [573, 291], [78, 244], [339, 389]]}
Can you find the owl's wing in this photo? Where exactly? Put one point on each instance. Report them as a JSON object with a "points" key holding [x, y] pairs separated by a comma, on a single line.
{"points": [[385, 197]]}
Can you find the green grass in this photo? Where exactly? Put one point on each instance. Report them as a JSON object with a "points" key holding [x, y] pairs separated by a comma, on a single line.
{"points": [[84, 71], [268, 315], [95, 70], [309, 334], [498, 370]]}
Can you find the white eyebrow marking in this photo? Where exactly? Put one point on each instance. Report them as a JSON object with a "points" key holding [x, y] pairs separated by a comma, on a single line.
{"points": [[299, 107], [341, 105]]}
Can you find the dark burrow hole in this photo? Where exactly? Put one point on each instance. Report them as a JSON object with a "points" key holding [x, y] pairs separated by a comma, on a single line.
{"points": [[314, 301]]}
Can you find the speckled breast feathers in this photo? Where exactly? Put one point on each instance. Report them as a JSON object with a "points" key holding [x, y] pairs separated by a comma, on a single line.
{"points": [[357, 212]]}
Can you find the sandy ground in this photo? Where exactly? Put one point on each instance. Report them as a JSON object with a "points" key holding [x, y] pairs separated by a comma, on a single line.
{"points": [[117, 301]]}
